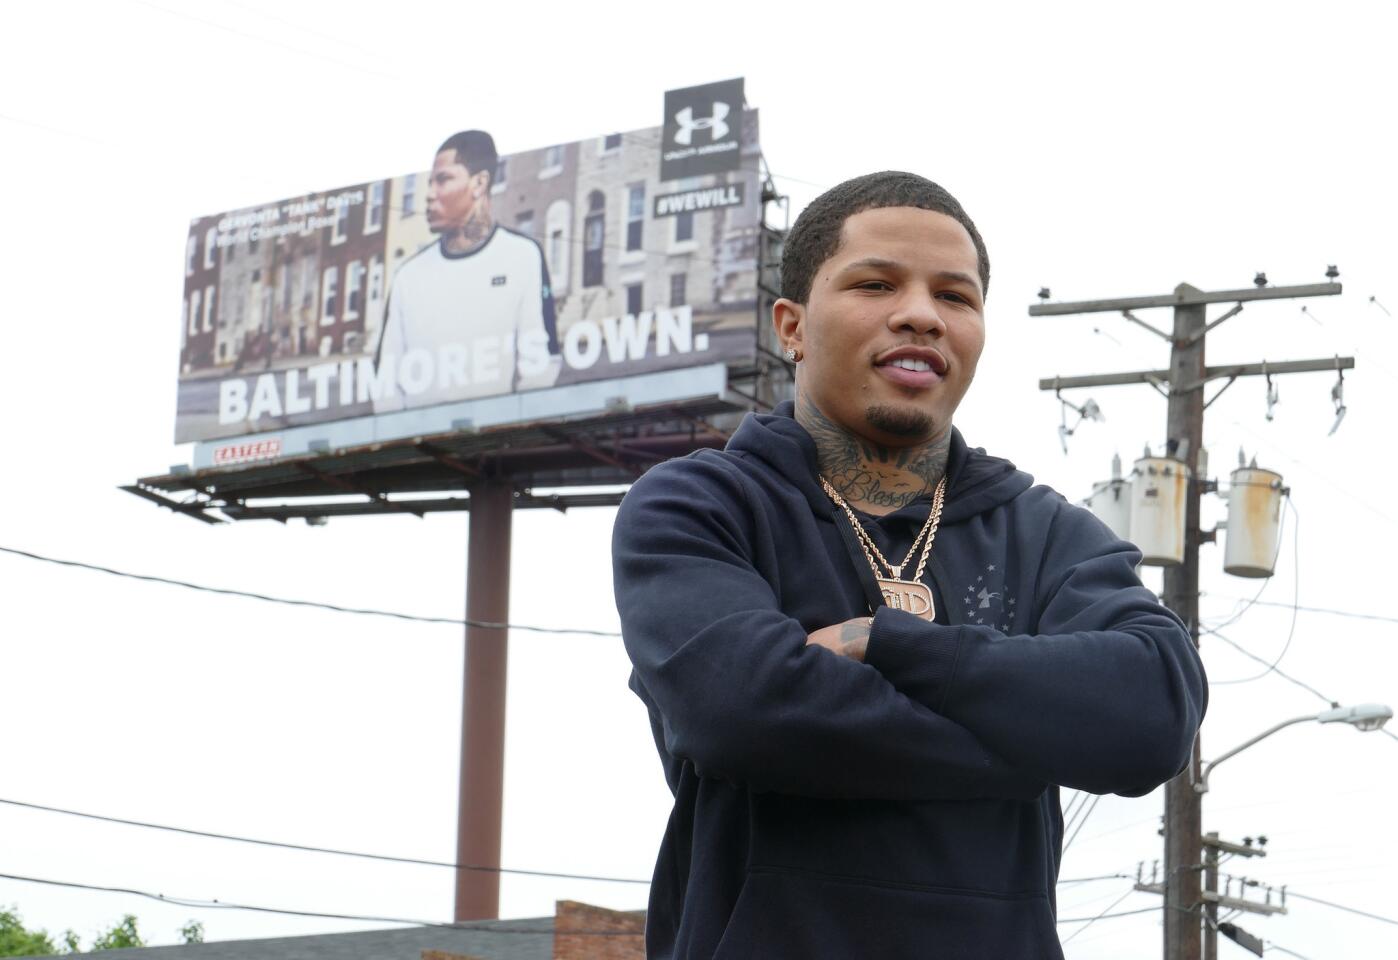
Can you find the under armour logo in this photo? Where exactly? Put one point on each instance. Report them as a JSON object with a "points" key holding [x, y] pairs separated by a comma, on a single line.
{"points": [[717, 123]]}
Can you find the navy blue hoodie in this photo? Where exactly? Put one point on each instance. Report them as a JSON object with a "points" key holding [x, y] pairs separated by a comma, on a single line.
{"points": [[906, 806]]}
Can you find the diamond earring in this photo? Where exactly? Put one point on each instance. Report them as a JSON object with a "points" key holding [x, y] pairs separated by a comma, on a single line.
{"points": [[792, 356]]}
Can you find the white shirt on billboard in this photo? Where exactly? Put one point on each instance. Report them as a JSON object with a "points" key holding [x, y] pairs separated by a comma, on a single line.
{"points": [[461, 326]]}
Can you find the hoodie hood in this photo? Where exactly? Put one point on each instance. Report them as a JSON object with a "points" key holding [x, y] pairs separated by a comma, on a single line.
{"points": [[976, 481]]}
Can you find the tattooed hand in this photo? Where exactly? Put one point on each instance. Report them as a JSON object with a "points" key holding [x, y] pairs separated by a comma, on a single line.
{"points": [[848, 639]]}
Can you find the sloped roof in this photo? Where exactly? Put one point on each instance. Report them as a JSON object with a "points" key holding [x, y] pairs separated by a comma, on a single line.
{"points": [[484, 939]]}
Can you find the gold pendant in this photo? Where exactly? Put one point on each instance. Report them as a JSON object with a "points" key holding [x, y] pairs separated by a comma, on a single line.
{"points": [[909, 595]]}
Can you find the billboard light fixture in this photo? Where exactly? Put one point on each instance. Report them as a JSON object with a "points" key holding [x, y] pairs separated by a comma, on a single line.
{"points": [[464, 425], [180, 470], [616, 404], [318, 446]]}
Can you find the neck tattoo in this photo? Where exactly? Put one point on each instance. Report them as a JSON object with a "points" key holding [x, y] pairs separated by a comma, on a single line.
{"points": [[470, 235], [875, 478]]}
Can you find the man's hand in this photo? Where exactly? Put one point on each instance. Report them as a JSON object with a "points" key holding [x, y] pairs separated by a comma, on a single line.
{"points": [[848, 639]]}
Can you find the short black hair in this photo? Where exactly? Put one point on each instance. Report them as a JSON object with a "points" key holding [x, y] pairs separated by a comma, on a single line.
{"points": [[475, 150], [815, 236]]}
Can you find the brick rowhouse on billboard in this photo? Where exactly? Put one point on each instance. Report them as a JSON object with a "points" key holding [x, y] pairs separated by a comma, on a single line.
{"points": [[600, 259]]}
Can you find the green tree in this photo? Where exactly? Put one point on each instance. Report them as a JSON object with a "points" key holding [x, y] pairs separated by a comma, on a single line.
{"points": [[16, 941], [124, 934]]}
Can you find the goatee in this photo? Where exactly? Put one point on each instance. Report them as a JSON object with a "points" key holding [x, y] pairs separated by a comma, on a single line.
{"points": [[899, 421]]}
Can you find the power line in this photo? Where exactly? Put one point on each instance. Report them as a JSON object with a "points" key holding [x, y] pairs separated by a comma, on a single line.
{"points": [[1068, 812], [1081, 821], [1105, 876], [1110, 916], [1290, 953], [1327, 610], [311, 849], [368, 918], [1271, 668], [212, 904], [1340, 906], [48, 129], [262, 38], [1266, 581], [1106, 912], [1295, 599], [336, 608]]}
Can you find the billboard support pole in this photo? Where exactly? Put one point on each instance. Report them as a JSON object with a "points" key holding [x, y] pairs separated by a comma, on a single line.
{"points": [[481, 798]]}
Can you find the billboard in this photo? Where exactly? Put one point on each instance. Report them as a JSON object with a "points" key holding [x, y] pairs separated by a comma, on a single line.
{"points": [[489, 274]]}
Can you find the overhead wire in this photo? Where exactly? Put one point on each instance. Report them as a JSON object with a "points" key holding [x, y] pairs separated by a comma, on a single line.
{"points": [[1295, 612], [389, 858], [197, 904], [1081, 822], [218, 904], [263, 38], [1110, 916], [1068, 811], [1340, 906], [1325, 610], [1105, 912], [1266, 581], [1105, 876], [314, 604], [316, 849], [1271, 668]]}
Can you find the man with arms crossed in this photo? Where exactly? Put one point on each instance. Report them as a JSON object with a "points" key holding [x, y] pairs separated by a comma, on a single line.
{"points": [[471, 315], [866, 735]]}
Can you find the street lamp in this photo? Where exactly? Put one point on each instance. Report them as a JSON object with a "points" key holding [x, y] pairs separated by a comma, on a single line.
{"points": [[1364, 717]]}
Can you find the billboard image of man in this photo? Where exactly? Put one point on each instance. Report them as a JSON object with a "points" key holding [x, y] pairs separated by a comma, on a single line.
{"points": [[471, 315], [872, 654]]}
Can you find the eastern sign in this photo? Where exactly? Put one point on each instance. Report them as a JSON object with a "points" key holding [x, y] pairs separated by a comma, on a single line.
{"points": [[703, 132], [487, 276]]}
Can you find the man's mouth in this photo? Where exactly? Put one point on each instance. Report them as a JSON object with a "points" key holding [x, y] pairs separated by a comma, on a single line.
{"points": [[911, 366], [908, 363]]}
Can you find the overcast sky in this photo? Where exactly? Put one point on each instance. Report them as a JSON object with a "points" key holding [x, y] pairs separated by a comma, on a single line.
{"points": [[1102, 152]]}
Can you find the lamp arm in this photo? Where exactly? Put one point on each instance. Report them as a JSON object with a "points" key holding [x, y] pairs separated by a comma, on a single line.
{"points": [[1203, 785]]}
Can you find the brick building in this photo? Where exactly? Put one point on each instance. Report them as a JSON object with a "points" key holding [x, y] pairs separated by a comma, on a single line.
{"points": [[266, 302]]}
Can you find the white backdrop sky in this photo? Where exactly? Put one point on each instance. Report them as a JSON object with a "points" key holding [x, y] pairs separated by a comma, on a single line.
{"points": [[1104, 150]]}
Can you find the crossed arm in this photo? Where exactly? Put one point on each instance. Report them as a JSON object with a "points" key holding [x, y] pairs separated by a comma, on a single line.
{"points": [[906, 709]]}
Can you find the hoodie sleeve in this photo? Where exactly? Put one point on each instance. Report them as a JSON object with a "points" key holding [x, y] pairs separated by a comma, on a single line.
{"points": [[1106, 696], [738, 692]]}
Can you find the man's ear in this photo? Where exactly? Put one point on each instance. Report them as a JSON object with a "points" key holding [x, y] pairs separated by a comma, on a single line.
{"points": [[789, 322], [481, 185]]}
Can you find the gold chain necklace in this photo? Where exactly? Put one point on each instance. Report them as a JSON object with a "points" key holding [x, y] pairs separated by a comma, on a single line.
{"points": [[912, 595]]}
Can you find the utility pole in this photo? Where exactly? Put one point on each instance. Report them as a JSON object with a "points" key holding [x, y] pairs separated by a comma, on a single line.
{"points": [[1213, 847], [1183, 386]]}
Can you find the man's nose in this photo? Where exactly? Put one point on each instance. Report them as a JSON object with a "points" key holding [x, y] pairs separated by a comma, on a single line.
{"points": [[918, 312]]}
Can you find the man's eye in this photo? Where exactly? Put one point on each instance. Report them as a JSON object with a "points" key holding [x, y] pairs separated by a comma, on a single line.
{"points": [[873, 285], [954, 296]]}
